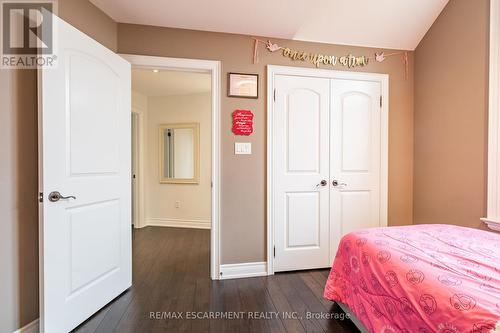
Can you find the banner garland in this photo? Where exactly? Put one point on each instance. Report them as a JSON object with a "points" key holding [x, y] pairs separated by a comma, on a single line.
{"points": [[317, 59]]}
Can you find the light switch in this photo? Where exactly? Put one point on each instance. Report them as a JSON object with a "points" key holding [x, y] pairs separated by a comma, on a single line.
{"points": [[243, 148]]}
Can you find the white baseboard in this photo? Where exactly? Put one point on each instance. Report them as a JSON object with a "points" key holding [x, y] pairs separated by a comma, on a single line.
{"points": [[179, 223], [32, 327], [243, 270], [492, 223]]}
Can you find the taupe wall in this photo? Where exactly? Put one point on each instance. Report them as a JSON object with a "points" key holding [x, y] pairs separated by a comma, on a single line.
{"points": [[243, 227], [86, 17], [19, 177], [18, 193], [451, 91]]}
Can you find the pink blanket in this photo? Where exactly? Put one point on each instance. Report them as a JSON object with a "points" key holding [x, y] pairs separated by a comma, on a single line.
{"points": [[422, 278]]}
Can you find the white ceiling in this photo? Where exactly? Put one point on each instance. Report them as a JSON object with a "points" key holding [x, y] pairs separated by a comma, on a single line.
{"points": [[396, 24], [166, 83]]}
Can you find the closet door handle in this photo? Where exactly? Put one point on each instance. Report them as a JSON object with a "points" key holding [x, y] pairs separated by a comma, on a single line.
{"points": [[336, 183], [322, 183]]}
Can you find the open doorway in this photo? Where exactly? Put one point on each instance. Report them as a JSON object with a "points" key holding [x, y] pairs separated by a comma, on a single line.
{"points": [[175, 154]]}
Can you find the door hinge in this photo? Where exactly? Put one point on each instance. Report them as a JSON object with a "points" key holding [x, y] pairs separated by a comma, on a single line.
{"points": [[274, 95], [380, 100], [274, 252], [40, 197]]}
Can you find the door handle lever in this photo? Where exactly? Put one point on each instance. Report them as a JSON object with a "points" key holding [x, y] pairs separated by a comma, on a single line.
{"points": [[322, 183], [336, 183], [56, 196]]}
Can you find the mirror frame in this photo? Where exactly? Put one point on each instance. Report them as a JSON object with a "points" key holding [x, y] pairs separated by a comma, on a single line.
{"points": [[196, 151]]}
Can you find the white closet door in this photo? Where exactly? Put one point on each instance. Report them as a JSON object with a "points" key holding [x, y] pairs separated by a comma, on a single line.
{"points": [[301, 156], [355, 157]]}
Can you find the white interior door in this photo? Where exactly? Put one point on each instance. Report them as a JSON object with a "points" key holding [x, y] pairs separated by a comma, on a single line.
{"points": [[355, 157], [85, 241], [301, 163]]}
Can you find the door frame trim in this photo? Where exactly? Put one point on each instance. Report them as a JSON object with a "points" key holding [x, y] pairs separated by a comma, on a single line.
{"points": [[138, 200], [214, 67], [272, 71], [492, 219]]}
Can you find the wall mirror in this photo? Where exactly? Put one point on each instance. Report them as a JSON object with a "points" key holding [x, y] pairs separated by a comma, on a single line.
{"points": [[179, 153]]}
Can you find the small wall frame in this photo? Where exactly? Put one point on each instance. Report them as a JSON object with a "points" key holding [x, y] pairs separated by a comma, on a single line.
{"points": [[243, 85]]}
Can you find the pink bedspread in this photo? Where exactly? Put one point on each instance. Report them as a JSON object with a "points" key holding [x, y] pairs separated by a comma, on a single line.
{"points": [[422, 278]]}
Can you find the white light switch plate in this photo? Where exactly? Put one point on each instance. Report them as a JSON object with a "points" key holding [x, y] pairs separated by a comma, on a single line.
{"points": [[243, 148]]}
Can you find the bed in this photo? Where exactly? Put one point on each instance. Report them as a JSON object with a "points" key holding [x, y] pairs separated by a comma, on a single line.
{"points": [[419, 279]]}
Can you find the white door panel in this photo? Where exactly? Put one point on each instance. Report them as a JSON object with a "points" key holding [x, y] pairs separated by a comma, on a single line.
{"points": [[355, 156], [354, 210], [87, 97], [301, 228], [356, 129], [85, 150], [301, 127]]}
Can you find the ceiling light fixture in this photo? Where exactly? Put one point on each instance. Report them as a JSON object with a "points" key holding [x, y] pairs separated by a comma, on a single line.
{"points": [[155, 71]]}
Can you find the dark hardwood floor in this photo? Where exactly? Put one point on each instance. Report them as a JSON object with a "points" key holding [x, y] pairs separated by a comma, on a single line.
{"points": [[171, 276]]}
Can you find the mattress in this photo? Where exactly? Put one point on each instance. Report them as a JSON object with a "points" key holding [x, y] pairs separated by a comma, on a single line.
{"points": [[421, 278]]}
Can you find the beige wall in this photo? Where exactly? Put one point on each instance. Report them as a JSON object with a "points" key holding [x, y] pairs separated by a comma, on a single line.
{"points": [[195, 199], [19, 177], [451, 82], [139, 102], [243, 225]]}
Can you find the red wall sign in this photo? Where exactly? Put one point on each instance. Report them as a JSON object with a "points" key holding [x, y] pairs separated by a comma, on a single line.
{"points": [[242, 122]]}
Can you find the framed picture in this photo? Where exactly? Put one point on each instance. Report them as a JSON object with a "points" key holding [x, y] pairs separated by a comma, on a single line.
{"points": [[243, 85]]}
